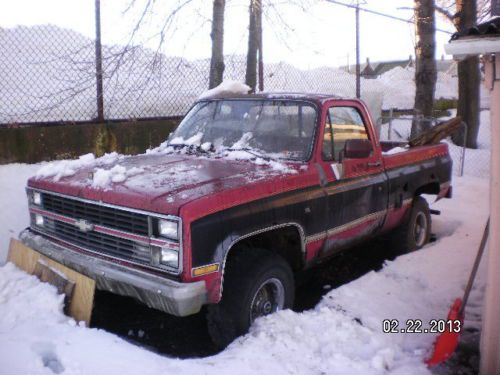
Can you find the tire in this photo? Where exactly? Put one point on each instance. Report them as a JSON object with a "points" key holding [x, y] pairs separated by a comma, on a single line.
{"points": [[256, 283], [415, 232]]}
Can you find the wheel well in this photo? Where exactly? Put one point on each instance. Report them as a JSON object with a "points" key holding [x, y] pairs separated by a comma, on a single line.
{"points": [[430, 188], [286, 241]]}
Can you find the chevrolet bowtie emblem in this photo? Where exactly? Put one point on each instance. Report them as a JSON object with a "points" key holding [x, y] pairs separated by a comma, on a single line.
{"points": [[84, 225]]}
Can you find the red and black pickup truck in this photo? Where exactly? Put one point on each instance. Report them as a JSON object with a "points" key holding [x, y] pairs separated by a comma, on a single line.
{"points": [[248, 190]]}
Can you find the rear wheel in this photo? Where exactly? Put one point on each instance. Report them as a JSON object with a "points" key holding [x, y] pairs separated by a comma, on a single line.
{"points": [[256, 283], [415, 232]]}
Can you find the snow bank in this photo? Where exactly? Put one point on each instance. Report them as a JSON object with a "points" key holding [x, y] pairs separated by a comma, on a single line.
{"points": [[226, 88], [43, 59], [14, 215], [342, 335]]}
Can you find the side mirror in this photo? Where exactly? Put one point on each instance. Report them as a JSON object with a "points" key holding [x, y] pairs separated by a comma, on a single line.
{"points": [[357, 148]]}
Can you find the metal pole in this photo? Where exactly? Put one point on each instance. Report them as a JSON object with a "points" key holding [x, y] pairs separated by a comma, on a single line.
{"points": [[98, 62], [358, 68], [389, 131], [462, 161], [261, 57]]}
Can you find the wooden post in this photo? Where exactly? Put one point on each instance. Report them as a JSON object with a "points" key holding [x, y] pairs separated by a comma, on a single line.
{"points": [[490, 334]]}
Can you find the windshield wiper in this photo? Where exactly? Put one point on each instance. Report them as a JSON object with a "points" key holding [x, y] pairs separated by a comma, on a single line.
{"points": [[251, 152]]}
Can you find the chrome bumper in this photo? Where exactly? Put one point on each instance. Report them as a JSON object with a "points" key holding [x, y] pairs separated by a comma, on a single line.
{"points": [[180, 299]]}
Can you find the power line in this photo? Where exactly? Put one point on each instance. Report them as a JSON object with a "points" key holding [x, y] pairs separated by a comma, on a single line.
{"points": [[381, 14]]}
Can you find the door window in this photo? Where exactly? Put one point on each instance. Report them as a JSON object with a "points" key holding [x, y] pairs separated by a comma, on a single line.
{"points": [[341, 125]]}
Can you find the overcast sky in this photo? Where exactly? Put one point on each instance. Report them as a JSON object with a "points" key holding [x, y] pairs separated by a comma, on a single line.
{"points": [[323, 34]]}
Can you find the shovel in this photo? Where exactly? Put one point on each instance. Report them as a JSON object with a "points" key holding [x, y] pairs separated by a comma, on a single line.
{"points": [[447, 342]]}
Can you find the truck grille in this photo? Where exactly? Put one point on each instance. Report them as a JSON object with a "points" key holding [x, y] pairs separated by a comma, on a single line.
{"points": [[110, 217], [99, 242]]}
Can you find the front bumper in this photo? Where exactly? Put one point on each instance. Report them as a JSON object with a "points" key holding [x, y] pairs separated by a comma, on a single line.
{"points": [[176, 298]]}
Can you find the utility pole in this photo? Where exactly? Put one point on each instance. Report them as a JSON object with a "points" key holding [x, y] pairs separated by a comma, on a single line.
{"points": [[358, 68], [98, 62]]}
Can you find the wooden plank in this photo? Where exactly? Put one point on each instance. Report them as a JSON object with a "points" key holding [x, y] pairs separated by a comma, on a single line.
{"points": [[48, 274], [81, 303], [435, 134]]}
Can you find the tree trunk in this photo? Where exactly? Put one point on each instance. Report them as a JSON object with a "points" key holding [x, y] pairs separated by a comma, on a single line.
{"points": [[425, 72], [468, 78], [254, 42], [217, 60]]}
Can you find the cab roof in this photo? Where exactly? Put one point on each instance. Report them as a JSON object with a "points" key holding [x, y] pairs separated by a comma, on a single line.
{"points": [[276, 95]]}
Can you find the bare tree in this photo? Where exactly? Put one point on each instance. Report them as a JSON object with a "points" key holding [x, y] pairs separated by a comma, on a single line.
{"points": [[425, 72], [217, 60], [463, 14], [254, 44]]}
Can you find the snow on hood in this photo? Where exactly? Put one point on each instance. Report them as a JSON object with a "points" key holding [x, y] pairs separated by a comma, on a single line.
{"points": [[160, 181], [226, 87]]}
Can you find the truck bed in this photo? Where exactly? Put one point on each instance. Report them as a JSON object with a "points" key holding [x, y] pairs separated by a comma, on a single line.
{"points": [[413, 155]]}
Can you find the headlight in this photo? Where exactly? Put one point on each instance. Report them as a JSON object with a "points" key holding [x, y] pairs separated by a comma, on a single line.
{"points": [[169, 229], [169, 257], [37, 198], [39, 220]]}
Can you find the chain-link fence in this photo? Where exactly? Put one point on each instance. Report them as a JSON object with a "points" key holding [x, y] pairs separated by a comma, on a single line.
{"points": [[49, 74], [466, 161]]}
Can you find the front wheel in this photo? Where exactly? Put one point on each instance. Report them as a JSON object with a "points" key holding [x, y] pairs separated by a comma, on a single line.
{"points": [[415, 232], [256, 283]]}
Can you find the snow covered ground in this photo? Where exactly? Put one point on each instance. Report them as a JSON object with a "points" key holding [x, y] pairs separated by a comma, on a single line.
{"points": [[342, 335]]}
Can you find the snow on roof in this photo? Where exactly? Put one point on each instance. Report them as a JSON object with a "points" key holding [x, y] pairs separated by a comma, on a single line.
{"points": [[225, 88]]}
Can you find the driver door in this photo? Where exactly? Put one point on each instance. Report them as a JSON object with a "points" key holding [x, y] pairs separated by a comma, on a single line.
{"points": [[357, 185]]}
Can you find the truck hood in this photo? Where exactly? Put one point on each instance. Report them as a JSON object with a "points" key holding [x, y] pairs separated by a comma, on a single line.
{"points": [[159, 183]]}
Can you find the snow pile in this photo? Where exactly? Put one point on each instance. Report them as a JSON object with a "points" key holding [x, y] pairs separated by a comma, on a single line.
{"points": [[43, 54], [14, 215], [104, 177], [477, 162], [227, 87], [398, 86], [342, 335]]}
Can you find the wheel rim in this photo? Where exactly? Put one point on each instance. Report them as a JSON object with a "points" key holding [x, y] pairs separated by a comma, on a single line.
{"points": [[269, 298], [420, 229]]}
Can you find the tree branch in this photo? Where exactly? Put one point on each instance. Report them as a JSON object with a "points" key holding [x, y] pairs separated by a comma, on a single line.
{"points": [[446, 13]]}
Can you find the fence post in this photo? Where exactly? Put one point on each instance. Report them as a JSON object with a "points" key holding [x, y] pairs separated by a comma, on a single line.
{"points": [[462, 161], [389, 130], [98, 62], [358, 68]]}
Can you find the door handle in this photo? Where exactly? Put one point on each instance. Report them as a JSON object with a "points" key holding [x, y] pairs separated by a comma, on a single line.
{"points": [[374, 164]]}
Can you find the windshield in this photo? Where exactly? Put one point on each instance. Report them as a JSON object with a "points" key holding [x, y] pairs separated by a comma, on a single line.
{"points": [[274, 128]]}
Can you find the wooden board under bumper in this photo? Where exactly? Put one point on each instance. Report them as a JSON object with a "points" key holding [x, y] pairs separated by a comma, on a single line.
{"points": [[82, 300]]}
